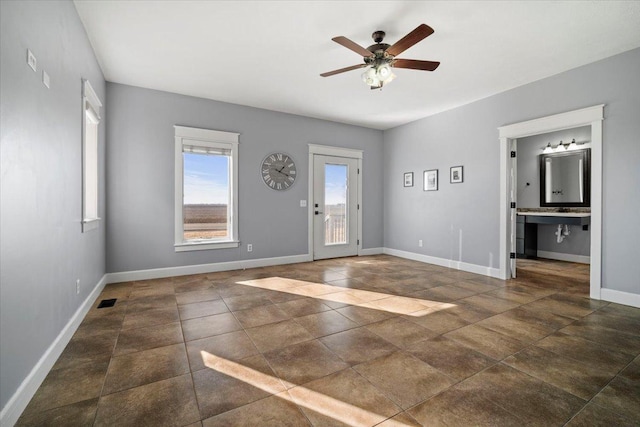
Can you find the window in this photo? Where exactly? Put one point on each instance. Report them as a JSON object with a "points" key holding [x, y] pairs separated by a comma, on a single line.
{"points": [[90, 122], [206, 189]]}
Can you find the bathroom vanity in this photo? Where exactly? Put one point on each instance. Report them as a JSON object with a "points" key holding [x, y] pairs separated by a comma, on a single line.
{"points": [[527, 221]]}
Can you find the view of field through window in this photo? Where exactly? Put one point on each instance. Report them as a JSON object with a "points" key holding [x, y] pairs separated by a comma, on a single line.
{"points": [[206, 191]]}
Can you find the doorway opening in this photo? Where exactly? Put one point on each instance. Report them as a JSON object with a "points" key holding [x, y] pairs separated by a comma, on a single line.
{"points": [[335, 214], [591, 117], [552, 181]]}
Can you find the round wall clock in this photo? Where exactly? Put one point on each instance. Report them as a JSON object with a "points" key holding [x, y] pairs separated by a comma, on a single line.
{"points": [[278, 171]]}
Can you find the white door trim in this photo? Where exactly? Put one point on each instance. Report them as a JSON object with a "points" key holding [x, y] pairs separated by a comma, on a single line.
{"points": [[337, 152], [591, 116]]}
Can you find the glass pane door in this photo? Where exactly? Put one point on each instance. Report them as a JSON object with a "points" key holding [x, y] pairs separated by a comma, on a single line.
{"points": [[335, 204]]}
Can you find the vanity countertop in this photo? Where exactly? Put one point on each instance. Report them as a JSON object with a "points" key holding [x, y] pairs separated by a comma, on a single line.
{"points": [[562, 214]]}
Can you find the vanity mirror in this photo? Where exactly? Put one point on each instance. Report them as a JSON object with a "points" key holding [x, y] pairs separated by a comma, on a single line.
{"points": [[565, 179]]}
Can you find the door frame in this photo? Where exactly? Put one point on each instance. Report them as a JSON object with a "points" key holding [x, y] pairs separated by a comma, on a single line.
{"points": [[326, 150], [591, 116]]}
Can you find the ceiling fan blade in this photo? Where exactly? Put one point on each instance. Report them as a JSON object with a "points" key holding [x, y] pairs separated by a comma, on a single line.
{"points": [[352, 45], [342, 70], [415, 64], [421, 32]]}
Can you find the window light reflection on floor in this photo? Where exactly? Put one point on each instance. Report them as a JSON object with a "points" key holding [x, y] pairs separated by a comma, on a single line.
{"points": [[326, 405], [357, 297]]}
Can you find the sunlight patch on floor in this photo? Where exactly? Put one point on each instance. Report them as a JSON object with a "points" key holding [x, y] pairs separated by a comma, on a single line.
{"points": [[321, 403], [357, 297]]}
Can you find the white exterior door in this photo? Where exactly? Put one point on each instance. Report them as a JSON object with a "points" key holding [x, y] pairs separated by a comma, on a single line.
{"points": [[335, 206]]}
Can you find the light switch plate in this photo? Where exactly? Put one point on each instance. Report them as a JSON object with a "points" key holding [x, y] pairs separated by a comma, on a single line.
{"points": [[31, 60], [303, 203], [45, 79]]}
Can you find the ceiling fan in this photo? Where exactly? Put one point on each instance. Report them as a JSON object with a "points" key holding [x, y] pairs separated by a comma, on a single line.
{"points": [[381, 57]]}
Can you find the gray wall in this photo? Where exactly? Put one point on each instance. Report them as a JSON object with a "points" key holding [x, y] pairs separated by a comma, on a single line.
{"points": [[529, 151], [140, 177], [461, 221], [42, 248]]}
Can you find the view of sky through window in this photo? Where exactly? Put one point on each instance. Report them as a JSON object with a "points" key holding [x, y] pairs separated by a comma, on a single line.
{"points": [[206, 179], [335, 184]]}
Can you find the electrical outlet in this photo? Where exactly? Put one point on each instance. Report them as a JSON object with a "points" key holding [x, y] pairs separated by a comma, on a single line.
{"points": [[249, 247], [303, 203], [31, 60], [419, 243], [77, 286]]}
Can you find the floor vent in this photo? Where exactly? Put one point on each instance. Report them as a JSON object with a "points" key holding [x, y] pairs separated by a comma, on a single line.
{"points": [[107, 303]]}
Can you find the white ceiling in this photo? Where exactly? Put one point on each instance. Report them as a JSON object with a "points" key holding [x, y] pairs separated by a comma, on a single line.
{"points": [[269, 54]]}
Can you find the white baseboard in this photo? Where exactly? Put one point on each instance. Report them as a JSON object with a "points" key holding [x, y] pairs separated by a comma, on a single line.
{"points": [[458, 265], [370, 251], [159, 273], [23, 395], [582, 259], [620, 297]]}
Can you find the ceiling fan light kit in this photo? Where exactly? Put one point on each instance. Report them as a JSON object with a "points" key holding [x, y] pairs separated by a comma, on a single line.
{"points": [[381, 57]]}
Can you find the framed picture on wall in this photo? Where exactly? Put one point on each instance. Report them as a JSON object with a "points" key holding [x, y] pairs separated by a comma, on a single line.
{"points": [[456, 174], [430, 181], [408, 179]]}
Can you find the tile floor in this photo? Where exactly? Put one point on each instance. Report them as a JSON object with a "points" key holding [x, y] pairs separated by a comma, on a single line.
{"points": [[356, 341]]}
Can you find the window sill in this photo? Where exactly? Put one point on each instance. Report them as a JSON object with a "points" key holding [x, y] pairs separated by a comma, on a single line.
{"points": [[90, 224], [204, 246]]}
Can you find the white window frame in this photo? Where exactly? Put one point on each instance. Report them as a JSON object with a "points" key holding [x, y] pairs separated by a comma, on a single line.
{"points": [[90, 158], [208, 139]]}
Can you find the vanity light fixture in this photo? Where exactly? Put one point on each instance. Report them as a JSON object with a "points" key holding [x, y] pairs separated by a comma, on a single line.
{"points": [[562, 146]]}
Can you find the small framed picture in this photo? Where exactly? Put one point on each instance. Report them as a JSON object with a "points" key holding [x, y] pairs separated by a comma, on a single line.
{"points": [[408, 179], [456, 174], [431, 180]]}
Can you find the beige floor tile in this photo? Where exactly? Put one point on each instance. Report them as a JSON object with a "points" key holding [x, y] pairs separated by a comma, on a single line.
{"points": [[364, 315], [208, 326], [69, 385], [201, 309], [272, 411], [595, 415], [278, 335], [401, 332], [155, 316], [78, 414], [343, 398], [226, 385], [358, 345], [592, 354], [403, 378], [326, 323], [568, 374], [232, 346], [258, 316], [451, 358], [304, 362], [143, 367], [199, 295], [531, 400], [132, 340], [457, 407], [622, 395], [167, 402], [489, 303], [490, 343]]}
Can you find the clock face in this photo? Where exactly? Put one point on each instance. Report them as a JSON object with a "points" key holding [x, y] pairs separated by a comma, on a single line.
{"points": [[278, 171]]}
